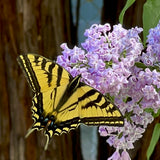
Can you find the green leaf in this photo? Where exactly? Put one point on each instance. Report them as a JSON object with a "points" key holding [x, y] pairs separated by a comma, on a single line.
{"points": [[143, 66], [128, 116], [140, 65], [110, 98], [108, 64], [151, 110], [154, 67], [151, 16], [156, 114], [120, 135], [140, 101], [156, 88], [127, 5], [154, 140]]}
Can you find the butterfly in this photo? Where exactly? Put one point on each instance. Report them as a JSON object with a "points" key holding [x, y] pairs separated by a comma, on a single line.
{"points": [[61, 102]]}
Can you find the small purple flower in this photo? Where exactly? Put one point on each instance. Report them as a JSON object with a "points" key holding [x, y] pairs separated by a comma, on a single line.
{"points": [[149, 92], [115, 156], [148, 59], [125, 156], [96, 63]]}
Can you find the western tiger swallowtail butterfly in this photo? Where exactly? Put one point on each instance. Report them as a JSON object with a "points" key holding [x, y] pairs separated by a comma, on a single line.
{"points": [[61, 102]]}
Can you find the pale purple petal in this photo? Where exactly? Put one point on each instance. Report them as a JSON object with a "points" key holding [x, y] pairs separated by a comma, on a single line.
{"points": [[115, 156], [125, 156]]}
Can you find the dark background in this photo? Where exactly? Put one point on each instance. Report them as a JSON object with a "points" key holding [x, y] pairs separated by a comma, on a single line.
{"points": [[40, 26]]}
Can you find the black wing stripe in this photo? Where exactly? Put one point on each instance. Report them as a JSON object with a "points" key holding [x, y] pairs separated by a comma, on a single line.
{"points": [[87, 94], [55, 92], [43, 64], [32, 73], [69, 107], [29, 72], [98, 99], [93, 102], [60, 70], [48, 71], [36, 60], [51, 66], [99, 119]]}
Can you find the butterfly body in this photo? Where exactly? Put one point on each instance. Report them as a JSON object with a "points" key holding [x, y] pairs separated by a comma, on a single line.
{"points": [[61, 102]]}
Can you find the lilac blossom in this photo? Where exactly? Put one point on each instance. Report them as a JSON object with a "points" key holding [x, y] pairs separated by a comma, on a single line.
{"points": [[125, 156], [152, 56], [115, 156], [107, 62]]}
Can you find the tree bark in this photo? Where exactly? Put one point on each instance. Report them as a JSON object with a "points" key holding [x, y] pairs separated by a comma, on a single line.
{"points": [[38, 27]]}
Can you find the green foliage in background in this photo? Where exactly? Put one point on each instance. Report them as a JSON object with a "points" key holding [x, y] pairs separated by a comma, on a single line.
{"points": [[151, 15]]}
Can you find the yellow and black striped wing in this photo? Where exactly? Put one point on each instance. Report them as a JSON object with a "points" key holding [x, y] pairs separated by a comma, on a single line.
{"points": [[48, 81], [95, 109], [87, 105], [43, 74]]}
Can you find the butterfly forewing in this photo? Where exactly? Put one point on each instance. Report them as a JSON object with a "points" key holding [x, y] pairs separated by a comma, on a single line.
{"points": [[42, 73], [48, 80]]}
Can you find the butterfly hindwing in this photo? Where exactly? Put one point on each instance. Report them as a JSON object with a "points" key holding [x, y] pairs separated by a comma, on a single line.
{"points": [[86, 105], [95, 109], [91, 107]]}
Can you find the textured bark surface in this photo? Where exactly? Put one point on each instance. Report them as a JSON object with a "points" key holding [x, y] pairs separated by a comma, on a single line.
{"points": [[145, 141], [39, 27]]}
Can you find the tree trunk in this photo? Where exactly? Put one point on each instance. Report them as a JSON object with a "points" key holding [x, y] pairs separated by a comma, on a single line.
{"points": [[38, 27]]}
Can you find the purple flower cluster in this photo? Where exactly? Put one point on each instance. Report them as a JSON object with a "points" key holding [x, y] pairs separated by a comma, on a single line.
{"points": [[152, 56], [106, 62], [106, 57]]}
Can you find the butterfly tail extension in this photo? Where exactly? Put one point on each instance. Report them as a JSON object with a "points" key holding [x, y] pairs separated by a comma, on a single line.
{"points": [[53, 129], [48, 134], [35, 126], [30, 130]]}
